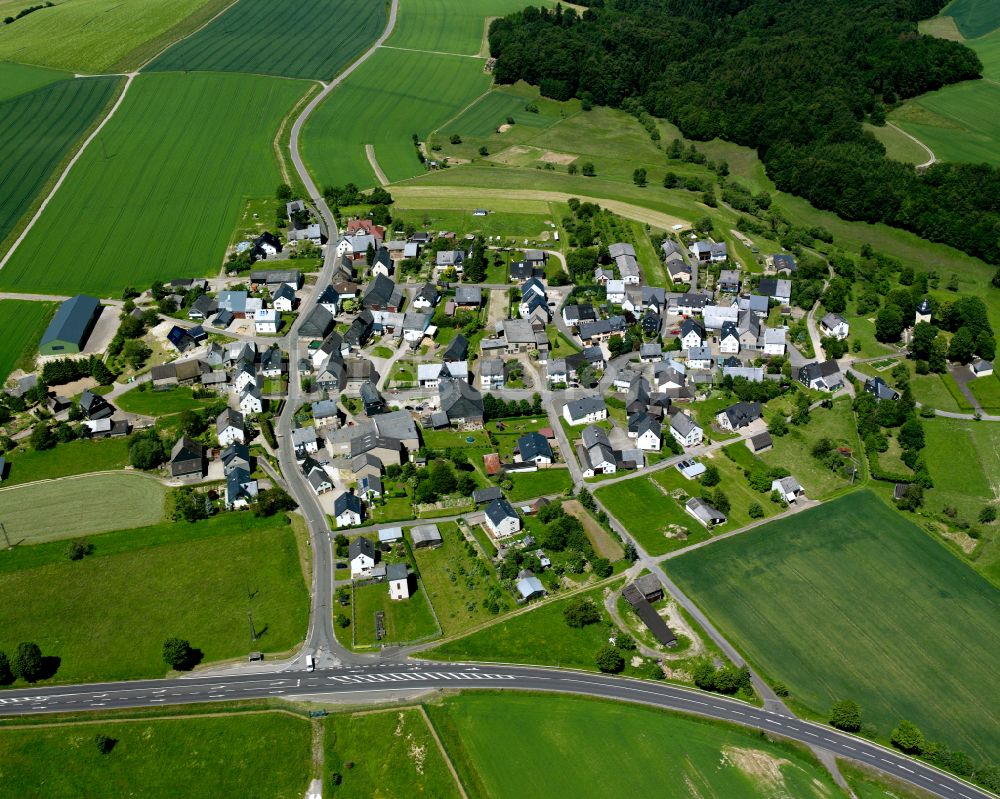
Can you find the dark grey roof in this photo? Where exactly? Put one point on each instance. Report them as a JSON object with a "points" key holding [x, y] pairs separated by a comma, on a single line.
{"points": [[359, 545], [397, 571], [689, 325], [580, 408], [498, 510], [457, 350], [483, 495], [72, 321], [532, 445], [743, 413], [459, 400], [317, 324]]}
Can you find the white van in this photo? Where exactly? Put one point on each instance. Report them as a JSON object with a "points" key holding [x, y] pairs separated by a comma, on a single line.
{"points": [[310, 663]]}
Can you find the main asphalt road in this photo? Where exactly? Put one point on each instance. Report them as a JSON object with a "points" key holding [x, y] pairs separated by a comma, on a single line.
{"points": [[360, 684]]}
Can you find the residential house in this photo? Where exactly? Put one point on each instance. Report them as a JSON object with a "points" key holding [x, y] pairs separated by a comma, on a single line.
{"points": [[326, 413], [236, 456], [468, 297], [738, 416], [879, 389], [429, 375], [449, 259], [692, 333], [361, 553], [699, 358], [241, 489], [602, 276], [360, 331], [685, 430], [266, 245], [780, 264], [272, 278], [283, 298], [595, 453], [981, 368], [758, 304], [370, 487], [267, 320], [522, 335], [646, 430], [625, 260], [679, 272], [272, 362], [616, 292], [729, 281], [729, 338], [329, 299], [230, 428], [650, 352], [382, 265], [574, 315], [457, 349], [715, 316], [501, 519], [823, 376], [777, 289], [461, 403], [687, 304], [371, 400], [529, 587], [425, 536], [305, 441], [317, 324], [251, 398], [202, 308], [484, 496], [398, 576], [187, 458], [427, 297], [534, 448], [415, 326], [94, 406], [382, 294], [705, 251], [788, 488], [398, 425], [180, 338], [774, 341], [356, 246], [835, 326], [366, 227], [585, 410], [704, 513], [492, 374]]}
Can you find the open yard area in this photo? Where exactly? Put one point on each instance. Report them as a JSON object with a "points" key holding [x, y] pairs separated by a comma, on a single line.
{"points": [[851, 600], [539, 635], [544, 482], [102, 35], [173, 165], [564, 747], [51, 511], [234, 755], [459, 584], [162, 403], [38, 129], [987, 391], [106, 617], [76, 457], [395, 94], [405, 619], [21, 328], [393, 755], [290, 38]]}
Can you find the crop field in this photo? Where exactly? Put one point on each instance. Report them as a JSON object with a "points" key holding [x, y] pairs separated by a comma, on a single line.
{"points": [[563, 747], [291, 38], [392, 96], [18, 79], [489, 113], [393, 755], [50, 511], [451, 26], [988, 49], [106, 616], [235, 755], [21, 328], [76, 457], [851, 600], [973, 17], [158, 193], [101, 35], [37, 130], [956, 122]]}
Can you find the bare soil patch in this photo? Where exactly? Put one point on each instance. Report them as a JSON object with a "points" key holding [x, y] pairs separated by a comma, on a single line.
{"points": [[604, 544], [504, 128], [551, 157]]}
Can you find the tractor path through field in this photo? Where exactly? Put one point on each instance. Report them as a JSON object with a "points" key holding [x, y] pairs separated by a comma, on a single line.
{"points": [[65, 173], [370, 152], [114, 472], [433, 52], [930, 153], [476, 196]]}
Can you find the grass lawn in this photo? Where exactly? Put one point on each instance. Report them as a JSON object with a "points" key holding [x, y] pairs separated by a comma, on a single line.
{"points": [[106, 616], [395, 509], [111, 217], [382, 352], [236, 755], [290, 38], [102, 35], [394, 94], [528, 221], [898, 146], [852, 600], [541, 483], [51, 511], [393, 752], [539, 635], [987, 391], [458, 583], [76, 457], [405, 620], [448, 438], [563, 746], [21, 328], [162, 403], [37, 131], [606, 545], [647, 512]]}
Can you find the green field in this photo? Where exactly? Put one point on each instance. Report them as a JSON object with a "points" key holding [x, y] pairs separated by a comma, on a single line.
{"points": [[394, 94], [393, 755], [237, 755], [452, 26], [851, 600], [101, 35], [529, 485], [483, 118], [50, 511], [405, 620], [18, 79], [973, 17], [988, 49], [644, 491], [540, 635], [898, 146], [291, 38], [956, 122], [987, 391], [38, 128], [161, 403], [21, 328], [106, 617], [457, 583], [566, 746], [76, 457], [158, 193]]}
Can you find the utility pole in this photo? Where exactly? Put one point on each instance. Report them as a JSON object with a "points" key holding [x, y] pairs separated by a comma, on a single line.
{"points": [[253, 630], [5, 536]]}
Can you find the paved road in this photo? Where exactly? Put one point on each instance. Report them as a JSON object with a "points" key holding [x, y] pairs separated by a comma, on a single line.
{"points": [[360, 684]]}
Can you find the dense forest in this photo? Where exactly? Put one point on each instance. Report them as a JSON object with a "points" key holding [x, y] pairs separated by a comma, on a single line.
{"points": [[794, 79]]}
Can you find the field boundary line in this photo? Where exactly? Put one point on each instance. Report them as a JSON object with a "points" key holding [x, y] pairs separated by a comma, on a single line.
{"points": [[276, 143], [462, 110], [370, 152], [200, 28], [85, 474], [443, 751], [170, 717], [65, 173], [431, 52]]}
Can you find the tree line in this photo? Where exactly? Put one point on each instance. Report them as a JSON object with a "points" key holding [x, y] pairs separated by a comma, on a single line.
{"points": [[794, 79]]}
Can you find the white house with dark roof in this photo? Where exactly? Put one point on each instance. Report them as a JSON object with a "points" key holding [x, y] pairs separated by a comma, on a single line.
{"points": [[739, 415], [362, 556], [685, 430], [230, 428], [501, 519], [704, 513], [788, 488], [835, 326], [398, 577], [585, 410]]}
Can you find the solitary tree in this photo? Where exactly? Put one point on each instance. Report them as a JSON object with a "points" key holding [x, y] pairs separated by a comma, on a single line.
{"points": [[609, 659], [27, 662], [846, 715], [639, 177], [283, 192], [178, 654], [6, 675], [710, 477], [581, 612], [908, 738], [104, 743]]}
